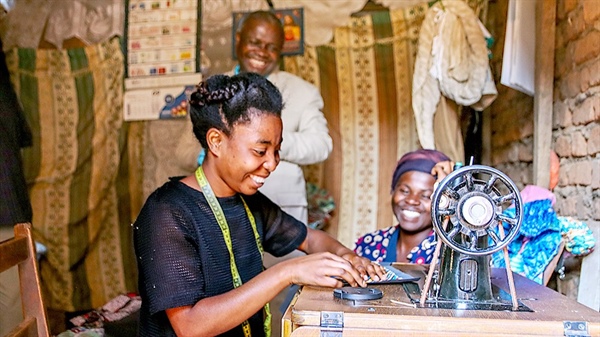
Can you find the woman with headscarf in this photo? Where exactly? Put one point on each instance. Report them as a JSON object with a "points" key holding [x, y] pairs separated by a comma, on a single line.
{"points": [[412, 239]]}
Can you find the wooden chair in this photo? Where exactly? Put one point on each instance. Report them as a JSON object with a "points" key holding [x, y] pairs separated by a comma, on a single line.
{"points": [[20, 251]]}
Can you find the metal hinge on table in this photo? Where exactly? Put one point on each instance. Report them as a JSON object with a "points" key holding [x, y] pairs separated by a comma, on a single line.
{"points": [[576, 329], [332, 323]]}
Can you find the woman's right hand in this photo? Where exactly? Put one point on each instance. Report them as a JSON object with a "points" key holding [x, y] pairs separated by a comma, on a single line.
{"points": [[322, 269]]}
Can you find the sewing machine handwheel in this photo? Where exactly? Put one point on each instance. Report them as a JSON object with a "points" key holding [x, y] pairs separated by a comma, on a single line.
{"points": [[473, 199]]}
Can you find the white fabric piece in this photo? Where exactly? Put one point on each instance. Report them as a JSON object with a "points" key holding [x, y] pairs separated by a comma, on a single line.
{"points": [[452, 60], [518, 60], [461, 59], [91, 21], [7, 5], [425, 90], [26, 25]]}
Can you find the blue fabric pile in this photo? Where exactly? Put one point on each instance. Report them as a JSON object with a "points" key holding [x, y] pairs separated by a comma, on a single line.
{"points": [[579, 237], [539, 239]]}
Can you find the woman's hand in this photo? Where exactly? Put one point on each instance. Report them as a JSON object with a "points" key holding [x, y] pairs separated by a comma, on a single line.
{"points": [[329, 270], [328, 263], [366, 268], [442, 169]]}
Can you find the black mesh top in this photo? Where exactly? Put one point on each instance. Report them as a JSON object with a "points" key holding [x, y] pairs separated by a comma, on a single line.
{"points": [[182, 256]]}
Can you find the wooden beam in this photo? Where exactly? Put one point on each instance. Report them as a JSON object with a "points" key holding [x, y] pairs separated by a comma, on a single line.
{"points": [[545, 26]]}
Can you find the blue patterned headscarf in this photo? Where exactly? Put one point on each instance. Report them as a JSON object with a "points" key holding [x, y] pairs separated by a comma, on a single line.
{"points": [[419, 160]]}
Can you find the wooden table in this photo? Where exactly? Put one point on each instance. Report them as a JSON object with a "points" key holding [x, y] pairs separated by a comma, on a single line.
{"points": [[394, 315]]}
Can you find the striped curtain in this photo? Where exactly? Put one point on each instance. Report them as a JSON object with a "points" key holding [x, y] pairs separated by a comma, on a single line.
{"points": [[77, 171], [365, 78]]}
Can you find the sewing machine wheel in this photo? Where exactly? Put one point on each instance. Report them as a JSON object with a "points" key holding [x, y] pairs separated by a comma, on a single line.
{"points": [[473, 198]]}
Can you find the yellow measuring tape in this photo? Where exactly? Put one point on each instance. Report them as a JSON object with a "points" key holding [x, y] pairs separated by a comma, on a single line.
{"points": [[218, 212]]}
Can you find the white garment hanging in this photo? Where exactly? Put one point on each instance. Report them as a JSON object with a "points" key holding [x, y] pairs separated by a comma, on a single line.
{"points": [[91, 21], [452, 60]]}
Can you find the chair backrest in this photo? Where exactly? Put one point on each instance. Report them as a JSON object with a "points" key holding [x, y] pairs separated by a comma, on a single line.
{"points": [[20, 251]]}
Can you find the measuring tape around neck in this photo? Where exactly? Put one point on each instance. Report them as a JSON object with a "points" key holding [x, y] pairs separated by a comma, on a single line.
{"points": [[222, 221]]}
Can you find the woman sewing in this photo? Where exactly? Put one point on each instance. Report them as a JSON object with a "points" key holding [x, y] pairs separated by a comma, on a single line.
{"points": [[200, 239], [412, 240]]}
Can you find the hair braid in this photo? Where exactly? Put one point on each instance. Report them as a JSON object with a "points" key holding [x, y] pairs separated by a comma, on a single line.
{"points": [[222, 101]]}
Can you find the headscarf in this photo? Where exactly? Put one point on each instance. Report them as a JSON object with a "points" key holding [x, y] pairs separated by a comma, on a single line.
{"points": [[420, 160]]}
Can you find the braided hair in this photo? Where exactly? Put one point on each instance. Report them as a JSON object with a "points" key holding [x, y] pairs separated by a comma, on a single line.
{"points": [[223, 101]]}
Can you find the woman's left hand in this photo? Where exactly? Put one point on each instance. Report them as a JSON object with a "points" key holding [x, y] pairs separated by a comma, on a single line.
{"points": [[365, 267], [442, 169]]}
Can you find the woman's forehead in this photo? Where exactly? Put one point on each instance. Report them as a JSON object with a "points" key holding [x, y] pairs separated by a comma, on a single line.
{"points": [[416, 176], [261, 126]]}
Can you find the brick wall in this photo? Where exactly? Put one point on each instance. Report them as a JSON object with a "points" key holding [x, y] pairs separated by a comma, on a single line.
{"points": [[576, 118], [576, 115], [575, 127]]}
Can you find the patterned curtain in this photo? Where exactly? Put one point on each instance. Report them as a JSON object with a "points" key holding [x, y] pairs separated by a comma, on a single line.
{"points": [[365, 77], [78, 171]]}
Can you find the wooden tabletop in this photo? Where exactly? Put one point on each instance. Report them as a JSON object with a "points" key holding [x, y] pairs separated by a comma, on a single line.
{"points": [[394, 313]]}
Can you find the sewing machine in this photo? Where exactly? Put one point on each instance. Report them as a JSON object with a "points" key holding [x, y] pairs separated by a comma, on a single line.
{"points": [[460, 295], [466, 210]]}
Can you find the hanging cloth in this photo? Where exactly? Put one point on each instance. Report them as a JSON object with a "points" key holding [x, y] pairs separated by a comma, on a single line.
{"points": [[31, 22], [452, 60], [447, 130]]}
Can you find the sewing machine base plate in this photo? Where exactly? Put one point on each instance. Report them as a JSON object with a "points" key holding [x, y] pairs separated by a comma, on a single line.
{"points": [[501, 301]]}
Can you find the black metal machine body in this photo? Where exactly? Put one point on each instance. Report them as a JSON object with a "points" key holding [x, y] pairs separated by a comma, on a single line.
{"points": [[467, 215]]}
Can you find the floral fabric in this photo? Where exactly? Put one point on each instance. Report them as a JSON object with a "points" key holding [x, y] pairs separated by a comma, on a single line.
{"points": [[379, 246]]}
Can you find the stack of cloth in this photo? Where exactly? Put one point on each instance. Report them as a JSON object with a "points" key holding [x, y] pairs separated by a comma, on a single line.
{"points": [[92, 324], [541, 234]]}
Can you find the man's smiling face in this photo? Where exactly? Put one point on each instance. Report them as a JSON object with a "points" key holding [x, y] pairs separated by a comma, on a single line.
{"points": [[258, 47]]}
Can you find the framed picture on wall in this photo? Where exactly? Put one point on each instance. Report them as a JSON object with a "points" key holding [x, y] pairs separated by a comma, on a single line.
{"points": [[292, 20]]}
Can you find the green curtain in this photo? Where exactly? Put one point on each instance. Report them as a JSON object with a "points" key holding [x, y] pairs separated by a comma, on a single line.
{"points": [[77, 171]]}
